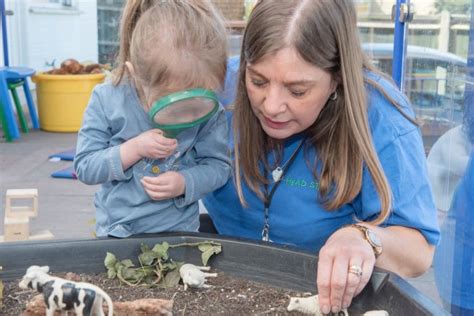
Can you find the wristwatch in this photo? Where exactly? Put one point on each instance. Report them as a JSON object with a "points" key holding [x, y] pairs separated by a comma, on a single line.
{"points": [[371, 237]]}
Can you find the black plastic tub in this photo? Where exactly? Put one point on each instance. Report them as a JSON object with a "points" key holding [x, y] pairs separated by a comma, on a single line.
{"points": [[279, 266]]}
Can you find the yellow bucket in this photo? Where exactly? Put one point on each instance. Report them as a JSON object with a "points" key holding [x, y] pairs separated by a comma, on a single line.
{"points": [[62, 99]]}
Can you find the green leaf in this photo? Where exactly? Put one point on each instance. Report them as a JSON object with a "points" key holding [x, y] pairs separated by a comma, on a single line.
{"points": [[111, 273], [127, 263], [110, 260], [208, 252], [131, 274], [147, 258], [162, 250], [150, 279], [144, 248], [169, 266], [172, 278]]}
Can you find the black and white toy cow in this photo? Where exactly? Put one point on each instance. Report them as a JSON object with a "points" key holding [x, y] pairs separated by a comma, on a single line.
{"points": [[59, 294]]}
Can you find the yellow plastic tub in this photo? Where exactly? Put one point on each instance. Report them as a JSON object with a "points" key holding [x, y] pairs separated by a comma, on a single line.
{"points": [[62, 99]]}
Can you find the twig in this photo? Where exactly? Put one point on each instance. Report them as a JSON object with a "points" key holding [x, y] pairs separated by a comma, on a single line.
{"points": [[24, 292], [194, 244], [14, 298]]}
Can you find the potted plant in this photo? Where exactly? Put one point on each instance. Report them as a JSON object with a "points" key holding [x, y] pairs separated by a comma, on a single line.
{"points": [[63, 94]]}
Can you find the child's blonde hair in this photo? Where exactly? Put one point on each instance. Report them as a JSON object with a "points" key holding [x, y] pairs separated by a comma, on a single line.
{"points": [[173, 43]]}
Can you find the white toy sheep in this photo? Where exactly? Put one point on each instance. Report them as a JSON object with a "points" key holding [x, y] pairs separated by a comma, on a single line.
{"points": [[193, 276]]}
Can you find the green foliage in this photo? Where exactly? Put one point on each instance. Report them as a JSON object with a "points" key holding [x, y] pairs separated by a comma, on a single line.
{"points": [[156, 268], [453, 6]]}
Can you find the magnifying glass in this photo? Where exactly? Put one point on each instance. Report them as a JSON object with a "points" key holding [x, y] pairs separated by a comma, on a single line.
{"points": [[182, 110]]}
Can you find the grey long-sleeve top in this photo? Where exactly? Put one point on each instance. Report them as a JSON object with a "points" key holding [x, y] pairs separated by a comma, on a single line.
{"points": [[123, 208]]}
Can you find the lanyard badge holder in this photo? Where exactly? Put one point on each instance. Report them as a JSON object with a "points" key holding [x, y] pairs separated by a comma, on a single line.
{"points": [[179, 111], [277, 175]]}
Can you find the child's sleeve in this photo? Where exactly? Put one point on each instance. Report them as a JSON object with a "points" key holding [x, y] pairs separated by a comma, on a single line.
{"points": [[213, 167], [96, 161]]}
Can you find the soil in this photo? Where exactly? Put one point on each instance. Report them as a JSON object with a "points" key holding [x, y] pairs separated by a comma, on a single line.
{"points": [[227, 296]]}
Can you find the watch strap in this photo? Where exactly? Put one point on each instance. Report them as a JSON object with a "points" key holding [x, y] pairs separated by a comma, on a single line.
{"points": [[377, 249]]}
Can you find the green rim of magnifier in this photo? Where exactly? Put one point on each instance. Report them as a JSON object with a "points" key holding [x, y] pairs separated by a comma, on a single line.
{"points": [[180, 96]]}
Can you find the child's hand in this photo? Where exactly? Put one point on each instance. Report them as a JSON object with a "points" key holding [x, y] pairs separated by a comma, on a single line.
{"points": [[165, 186], [152, 144]]}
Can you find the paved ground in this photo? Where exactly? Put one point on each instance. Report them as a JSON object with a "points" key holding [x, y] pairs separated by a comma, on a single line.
{"points": [[65, 206]]}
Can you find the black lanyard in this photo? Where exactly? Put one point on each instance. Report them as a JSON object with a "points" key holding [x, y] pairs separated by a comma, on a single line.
{"points": [[268, 196]]}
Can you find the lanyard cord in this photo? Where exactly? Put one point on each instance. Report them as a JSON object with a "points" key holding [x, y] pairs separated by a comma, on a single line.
{"points": [[268, 196]]}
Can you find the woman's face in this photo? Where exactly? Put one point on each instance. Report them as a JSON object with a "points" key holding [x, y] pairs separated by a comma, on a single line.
{"points": [[287, 93]]}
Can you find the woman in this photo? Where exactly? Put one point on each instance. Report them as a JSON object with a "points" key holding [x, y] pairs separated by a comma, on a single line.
{"points": [[322, 141]]}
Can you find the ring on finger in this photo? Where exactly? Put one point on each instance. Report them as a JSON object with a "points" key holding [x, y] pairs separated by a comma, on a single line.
{"points": [[355, 269]]}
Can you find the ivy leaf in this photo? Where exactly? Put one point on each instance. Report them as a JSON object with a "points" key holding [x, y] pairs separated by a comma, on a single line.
{"points": [[162, 250], [208, 250], [172, 278], [148, 257], [127, 263], [130, 274], [144, 248], [111, 273], [169, 266], [110, 260]]}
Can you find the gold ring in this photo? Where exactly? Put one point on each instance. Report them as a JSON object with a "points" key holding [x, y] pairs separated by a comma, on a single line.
{"points": [[355, 269]]}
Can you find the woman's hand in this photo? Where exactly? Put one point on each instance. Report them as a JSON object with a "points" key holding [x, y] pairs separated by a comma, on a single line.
{"points": [[344, 253], [165, 186], [153, 144]]}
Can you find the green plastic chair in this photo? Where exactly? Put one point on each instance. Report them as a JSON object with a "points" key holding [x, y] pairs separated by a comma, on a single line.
{"points": [[21, 116]]}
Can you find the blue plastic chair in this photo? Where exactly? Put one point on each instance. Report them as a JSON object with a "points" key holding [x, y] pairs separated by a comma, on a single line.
{"points": [[9, 75]]}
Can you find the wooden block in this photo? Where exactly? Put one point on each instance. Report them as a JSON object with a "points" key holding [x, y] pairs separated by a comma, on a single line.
{"points": [[45, 234], [22, 193], [17, 228], [21, 211]]}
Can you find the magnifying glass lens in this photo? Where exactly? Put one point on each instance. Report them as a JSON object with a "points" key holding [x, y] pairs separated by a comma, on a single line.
{"points": [[184, 111]]}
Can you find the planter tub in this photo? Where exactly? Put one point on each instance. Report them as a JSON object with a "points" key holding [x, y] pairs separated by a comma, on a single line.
{"points": [[285, 267], [62, 99]]}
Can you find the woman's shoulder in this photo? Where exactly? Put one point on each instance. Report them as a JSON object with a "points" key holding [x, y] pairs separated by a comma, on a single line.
{"points": [[385, 119]]}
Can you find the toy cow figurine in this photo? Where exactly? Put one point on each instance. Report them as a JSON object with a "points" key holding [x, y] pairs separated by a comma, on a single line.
{"points": [[193, 276], [59, 294]]}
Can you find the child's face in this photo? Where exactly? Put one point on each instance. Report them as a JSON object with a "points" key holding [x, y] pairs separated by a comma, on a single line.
{"points": [[286, 92]]}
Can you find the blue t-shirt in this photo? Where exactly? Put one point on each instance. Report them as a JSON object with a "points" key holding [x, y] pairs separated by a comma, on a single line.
{"points": [[296, 217], [454, 258]]}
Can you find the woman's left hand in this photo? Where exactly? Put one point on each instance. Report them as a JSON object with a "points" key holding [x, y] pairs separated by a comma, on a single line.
{"points": [[345, 254], [165, 186]]}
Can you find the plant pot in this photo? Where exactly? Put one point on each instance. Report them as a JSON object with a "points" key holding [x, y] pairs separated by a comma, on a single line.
{"points": [[273, 265], [62, 99]]}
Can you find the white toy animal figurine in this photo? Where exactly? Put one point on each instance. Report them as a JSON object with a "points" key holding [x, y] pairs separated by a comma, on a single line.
{"points": [[376, 313], [193, 276], [309, 305], [59, 294]]}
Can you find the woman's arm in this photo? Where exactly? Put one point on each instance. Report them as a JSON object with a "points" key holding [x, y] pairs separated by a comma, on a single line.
{"points": [[405, 251]]}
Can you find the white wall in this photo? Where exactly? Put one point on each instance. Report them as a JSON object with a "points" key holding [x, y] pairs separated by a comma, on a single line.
{"points": [[39, 32]]}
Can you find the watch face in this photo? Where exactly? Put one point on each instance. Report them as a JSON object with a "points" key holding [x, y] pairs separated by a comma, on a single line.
{"points": [[374, 238]]}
